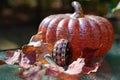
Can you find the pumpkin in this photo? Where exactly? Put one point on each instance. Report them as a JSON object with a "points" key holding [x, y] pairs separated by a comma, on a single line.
{"points": [[89, 36]]}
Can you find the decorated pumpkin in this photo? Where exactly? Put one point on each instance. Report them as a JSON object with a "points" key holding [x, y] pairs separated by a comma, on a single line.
{"points": [[89, 36]]}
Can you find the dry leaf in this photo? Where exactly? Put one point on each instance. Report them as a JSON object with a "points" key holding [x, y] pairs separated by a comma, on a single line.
{"points": [[53, 70], [76, 67], [14, 58], [34, 73], [9, 53], [2, 62]]}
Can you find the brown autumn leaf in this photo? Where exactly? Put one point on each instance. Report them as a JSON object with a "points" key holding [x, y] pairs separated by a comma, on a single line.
{"points": [[2, 62], [28, 49], [43, 61], [33, 52], [41, 48], [36, 37], [64, 76]]}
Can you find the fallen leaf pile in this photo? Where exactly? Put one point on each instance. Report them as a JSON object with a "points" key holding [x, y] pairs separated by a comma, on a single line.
{"points": [[35, 63]]}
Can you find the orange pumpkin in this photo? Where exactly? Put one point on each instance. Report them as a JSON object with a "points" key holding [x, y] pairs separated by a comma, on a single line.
{"points": [[88, 35]]}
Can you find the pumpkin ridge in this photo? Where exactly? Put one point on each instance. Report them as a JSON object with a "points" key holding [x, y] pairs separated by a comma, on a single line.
{"points": [[84, 29], [43, 28], [104, 37], [102, 25], [108, 39], [74, 36], [109, 31], [95, 38], [108, 34], [51, 30], [44, 23], [97, 28], [90, 34], [106, 22], [62, 29]]}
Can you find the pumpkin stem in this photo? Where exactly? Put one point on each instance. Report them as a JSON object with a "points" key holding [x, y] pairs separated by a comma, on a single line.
{"points": [[78, 9]]}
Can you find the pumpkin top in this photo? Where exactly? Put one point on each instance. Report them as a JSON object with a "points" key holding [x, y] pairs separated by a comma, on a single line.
{"points": [[78, 10], [77, 14]]}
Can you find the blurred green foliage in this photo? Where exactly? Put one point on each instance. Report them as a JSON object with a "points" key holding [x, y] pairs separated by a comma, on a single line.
{"points": [[45, 4], [99, 7], [117, 8]]}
